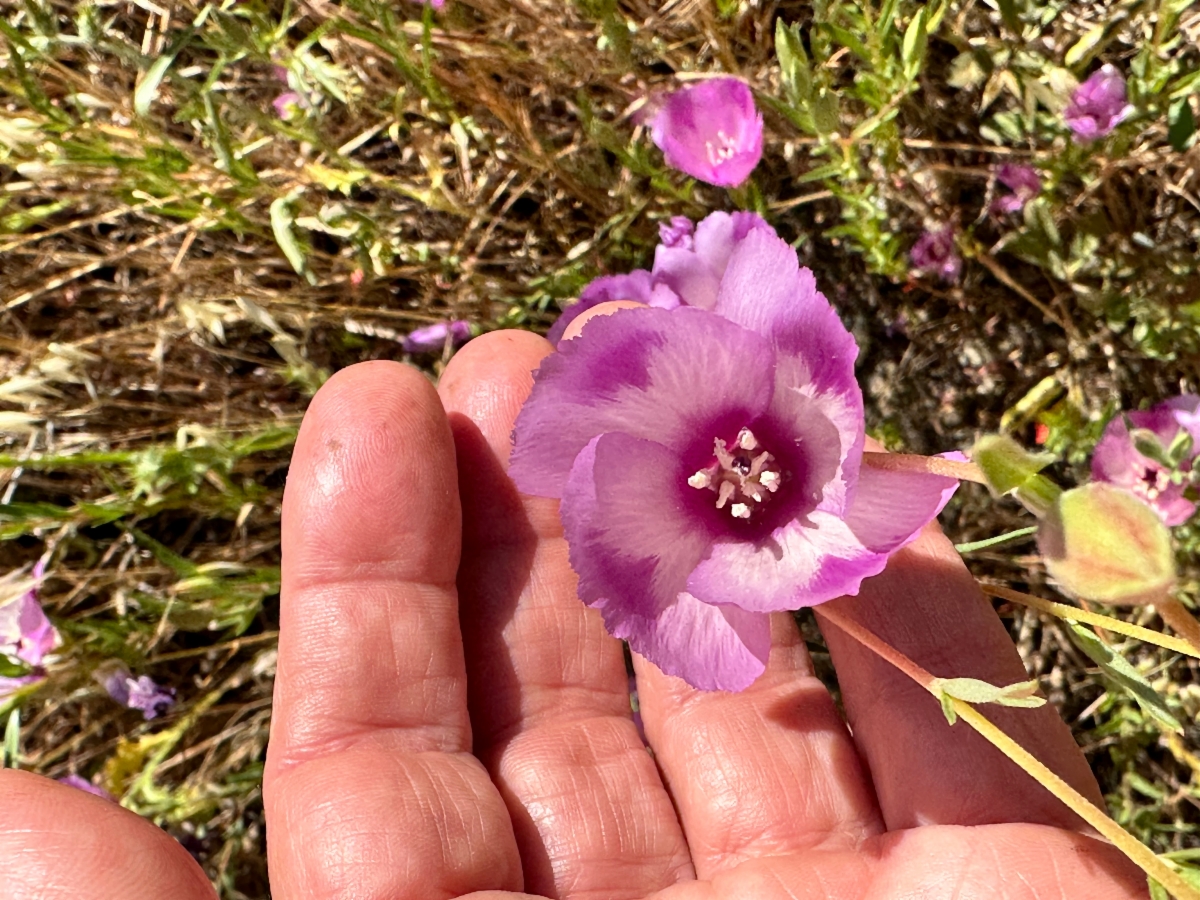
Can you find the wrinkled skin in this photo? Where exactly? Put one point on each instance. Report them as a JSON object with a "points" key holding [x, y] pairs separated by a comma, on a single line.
{"points": [[444, 729]]}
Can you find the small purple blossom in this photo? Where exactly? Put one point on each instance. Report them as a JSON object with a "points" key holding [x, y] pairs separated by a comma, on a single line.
{"points": [[25, 632], [1024, 183], [141, 693], [677, 232], [83, 784], [1098, 105], [288, 105], [709, 457], [711, 131], [1116, 460], [436, 4], [433, 338], [935, 253]]}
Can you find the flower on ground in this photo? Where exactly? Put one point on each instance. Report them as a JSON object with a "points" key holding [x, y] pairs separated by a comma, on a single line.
{"points": [[1098, 105], [83, 784], [935, 253], [288, 105], [709, 457], [1118, 461], [25, 632], [432, 338], [1024, 183], [141, 693], [711, 131]]}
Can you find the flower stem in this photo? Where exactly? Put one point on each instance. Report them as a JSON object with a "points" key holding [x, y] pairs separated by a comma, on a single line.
{"points": [[1074, 613], [993, 541], [931, 465], [1138, 852], [1181, 620]]}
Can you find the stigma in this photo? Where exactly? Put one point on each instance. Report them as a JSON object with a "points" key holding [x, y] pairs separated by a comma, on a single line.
{"points": [[743, 476]]}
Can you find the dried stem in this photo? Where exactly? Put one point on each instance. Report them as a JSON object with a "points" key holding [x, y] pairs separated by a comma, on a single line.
{"points": [[932, 465], [1075, 613], [1138, 852], [1181, 620]]}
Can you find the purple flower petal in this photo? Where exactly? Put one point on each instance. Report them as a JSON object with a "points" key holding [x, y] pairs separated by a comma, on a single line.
{"points": [[638, 286], [677, 233], [661, 375], [25, 632], [1098, 105], [86, 786], [1117, 461], [1023, 181], [803, 563], [889, 509], [288, 104], [935, 253], [711, 131], [714, 648], [433, 338], [694, 272], [625, 559], [148, 697]]}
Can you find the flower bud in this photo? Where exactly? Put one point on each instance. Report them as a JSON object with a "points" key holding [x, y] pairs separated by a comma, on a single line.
{"points": [[1102, 543]]}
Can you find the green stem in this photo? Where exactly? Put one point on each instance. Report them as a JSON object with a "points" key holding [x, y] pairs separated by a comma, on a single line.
{"points": [[993, 541], [1138, 852]]}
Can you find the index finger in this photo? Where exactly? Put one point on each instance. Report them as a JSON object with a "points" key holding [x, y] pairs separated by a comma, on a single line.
{"points": [[370, 788]]}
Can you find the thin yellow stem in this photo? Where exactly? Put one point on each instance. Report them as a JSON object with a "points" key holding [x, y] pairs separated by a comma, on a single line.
{"points": [[1183, 622], [1138, 852], [932, 465], [1076, 614]]}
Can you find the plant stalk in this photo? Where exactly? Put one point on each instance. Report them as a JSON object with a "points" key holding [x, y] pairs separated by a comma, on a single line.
{"points": [[931, 465], [1138, 852]]}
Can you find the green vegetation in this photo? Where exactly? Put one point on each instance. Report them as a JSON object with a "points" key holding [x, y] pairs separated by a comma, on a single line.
{"points": [[181, 266]]}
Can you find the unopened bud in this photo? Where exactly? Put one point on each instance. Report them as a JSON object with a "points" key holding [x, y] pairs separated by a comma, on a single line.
{"points": [[1100, 542]]}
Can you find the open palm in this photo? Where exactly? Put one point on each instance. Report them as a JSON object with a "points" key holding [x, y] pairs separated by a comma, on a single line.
{"points": [[450, 720]]}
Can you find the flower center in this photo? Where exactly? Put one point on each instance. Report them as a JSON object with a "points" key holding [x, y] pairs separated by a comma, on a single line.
{"points": [[1154, 482], [722, 150], [743, 476]]}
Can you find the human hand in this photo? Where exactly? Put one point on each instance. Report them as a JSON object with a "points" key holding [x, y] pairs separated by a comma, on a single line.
{"points": [[442, 728]]}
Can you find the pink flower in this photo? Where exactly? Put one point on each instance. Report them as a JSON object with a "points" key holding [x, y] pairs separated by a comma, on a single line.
{"points": [[141, 693], [9, 685], [83, 784], [708, 457], [288, 105], [433, 338], [1098, 105], [1024, 183], [1116, 460], [25, 632], [935, 253], [711, 131]]}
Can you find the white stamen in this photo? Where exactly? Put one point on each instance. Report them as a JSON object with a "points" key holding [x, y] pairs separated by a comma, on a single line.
{"points": [[742, 481], [700, 480], [740, 511], [746, 439], [769, 480]]}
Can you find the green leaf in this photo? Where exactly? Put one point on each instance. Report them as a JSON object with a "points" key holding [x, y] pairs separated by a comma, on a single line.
{"points": [[965, 71], [793, 62], [1122, 673], [282, 219], [1005, 463], [1083, 47], [916, 38], [972, 690], [1182, 124], [820, 173], [1008, 12], [825, 112], [12, 740]]}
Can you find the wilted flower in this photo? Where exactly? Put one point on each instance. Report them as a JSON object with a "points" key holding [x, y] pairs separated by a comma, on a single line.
{"points": [[141, 693], [432, 338], [1024, 183], [25, 632], [708, 457], [1098, 105], [1117, 459], [83, 784], [711, 131], [935, 253]]}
